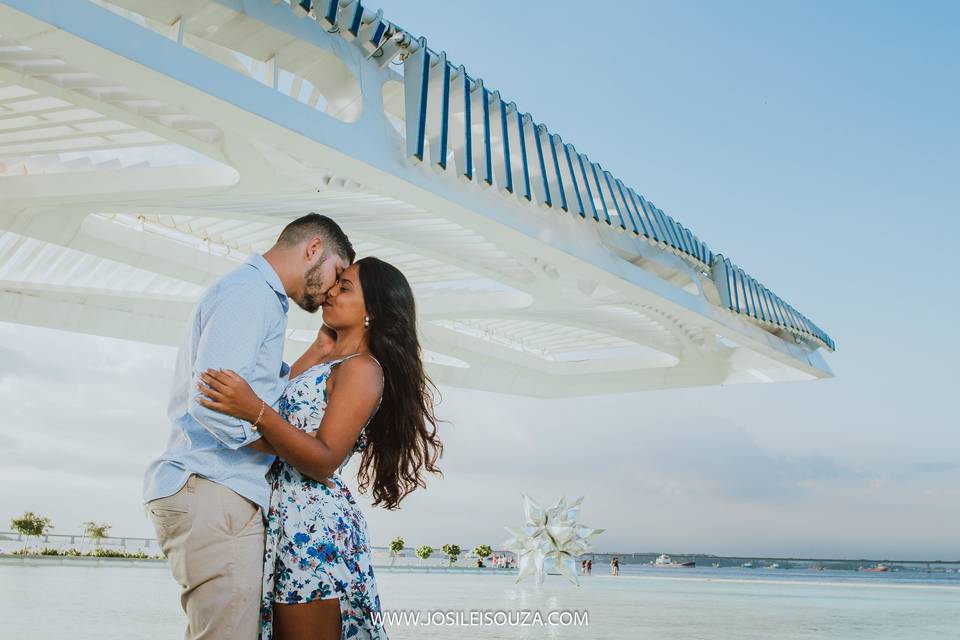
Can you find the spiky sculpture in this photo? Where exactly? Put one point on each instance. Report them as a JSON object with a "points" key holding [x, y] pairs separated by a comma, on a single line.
{"points": [[550, 534]]}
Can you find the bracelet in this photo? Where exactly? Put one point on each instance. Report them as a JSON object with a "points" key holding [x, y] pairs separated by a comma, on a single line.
{"points": [[263, 405]]}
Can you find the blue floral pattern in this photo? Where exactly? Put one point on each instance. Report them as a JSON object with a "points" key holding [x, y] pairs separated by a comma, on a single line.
{"points": [[316, 540]]}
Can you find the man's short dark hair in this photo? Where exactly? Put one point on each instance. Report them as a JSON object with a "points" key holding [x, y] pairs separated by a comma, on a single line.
{"points": [[314, 224]]}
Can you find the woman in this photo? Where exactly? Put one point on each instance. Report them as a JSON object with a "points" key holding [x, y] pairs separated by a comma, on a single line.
{"points": [[367, 393]]}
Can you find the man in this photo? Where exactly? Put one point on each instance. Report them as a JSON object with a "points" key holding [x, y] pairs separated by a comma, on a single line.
{"points": [[207, 494]]}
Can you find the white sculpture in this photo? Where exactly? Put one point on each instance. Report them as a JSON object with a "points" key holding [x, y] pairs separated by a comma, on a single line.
{"points": [[550, 535]]}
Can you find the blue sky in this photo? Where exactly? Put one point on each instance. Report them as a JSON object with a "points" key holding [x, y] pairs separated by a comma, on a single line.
{"points": [[814, 143]]}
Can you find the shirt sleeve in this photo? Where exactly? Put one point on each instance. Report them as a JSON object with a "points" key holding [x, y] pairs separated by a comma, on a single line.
{"points": [[230, 338]]}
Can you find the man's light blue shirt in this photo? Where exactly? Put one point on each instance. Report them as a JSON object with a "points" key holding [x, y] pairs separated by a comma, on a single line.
{"points": [[239, 323]]}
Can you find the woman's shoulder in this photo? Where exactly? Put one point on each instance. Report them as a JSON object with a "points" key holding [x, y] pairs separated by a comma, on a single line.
{"points": [[359, 364], [361, 368]]}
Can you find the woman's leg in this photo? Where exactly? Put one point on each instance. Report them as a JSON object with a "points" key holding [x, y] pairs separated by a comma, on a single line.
{"points": [[315, 620]]}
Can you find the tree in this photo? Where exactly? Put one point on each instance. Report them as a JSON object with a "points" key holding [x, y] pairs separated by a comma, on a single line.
{"points": [[96, 531], [30, 524], [396, 546], [482, 551], [424, 551], [452, 551]]}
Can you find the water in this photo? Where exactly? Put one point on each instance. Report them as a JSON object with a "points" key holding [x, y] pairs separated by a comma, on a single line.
{"points": [[947, 575], [54, 602]]}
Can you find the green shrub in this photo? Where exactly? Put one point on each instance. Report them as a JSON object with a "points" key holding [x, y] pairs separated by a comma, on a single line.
{"points": [[100, 552]]}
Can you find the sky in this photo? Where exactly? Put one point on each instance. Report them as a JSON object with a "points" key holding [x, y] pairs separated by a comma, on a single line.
{"points": [[814, 143]]}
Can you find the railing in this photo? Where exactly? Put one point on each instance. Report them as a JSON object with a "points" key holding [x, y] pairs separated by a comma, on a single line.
{"points": [[11, 542], [742, 294]]}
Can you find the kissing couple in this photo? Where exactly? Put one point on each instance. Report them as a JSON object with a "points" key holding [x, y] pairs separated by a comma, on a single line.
{"points": [[262, 534]]}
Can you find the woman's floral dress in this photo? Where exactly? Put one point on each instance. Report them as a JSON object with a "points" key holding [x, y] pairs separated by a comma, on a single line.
{"points": [[316, 539]]}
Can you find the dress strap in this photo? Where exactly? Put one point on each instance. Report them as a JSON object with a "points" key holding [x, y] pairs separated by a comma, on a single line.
{"points": [[344, 359]]}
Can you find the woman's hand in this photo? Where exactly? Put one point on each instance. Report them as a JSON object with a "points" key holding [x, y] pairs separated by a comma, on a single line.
{"points": [[229, 393], [325, 341], [318, 351]]}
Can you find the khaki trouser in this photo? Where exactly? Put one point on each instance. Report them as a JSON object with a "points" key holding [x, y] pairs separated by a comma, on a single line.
{"points": [[213, 538]]}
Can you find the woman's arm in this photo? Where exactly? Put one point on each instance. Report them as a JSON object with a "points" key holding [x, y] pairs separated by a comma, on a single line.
{"points": [[354, 389], [316, 352], [262, 446]]}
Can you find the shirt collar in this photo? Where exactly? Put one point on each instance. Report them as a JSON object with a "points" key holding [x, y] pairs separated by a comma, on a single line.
{"points": [[260, 263]]}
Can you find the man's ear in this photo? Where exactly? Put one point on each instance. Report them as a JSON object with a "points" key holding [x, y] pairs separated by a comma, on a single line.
{"points": [[314, 248]]}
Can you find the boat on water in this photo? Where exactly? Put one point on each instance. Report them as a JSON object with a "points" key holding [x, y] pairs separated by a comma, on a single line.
{"points": [[747, 565], [880, 568], [667, 562], [716, 565], [775, 565]]}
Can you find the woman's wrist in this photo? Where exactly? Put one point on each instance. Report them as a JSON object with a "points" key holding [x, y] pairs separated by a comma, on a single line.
{"points": [[252, 410], [257, 421], [269, 419]]}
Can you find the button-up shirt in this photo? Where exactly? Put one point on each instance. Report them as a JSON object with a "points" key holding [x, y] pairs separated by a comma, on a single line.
{"points": [[240, 324]]}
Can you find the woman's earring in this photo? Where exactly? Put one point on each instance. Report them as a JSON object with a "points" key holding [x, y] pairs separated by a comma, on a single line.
{"points": [[366, 321]]}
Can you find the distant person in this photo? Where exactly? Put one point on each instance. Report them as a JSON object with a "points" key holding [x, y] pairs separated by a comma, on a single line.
{"points": [[583, 567], [615, 566], [480, 564], [590, 567]]}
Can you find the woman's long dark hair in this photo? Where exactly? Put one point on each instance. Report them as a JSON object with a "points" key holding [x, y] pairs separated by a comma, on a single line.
{"points": [[402, 435]]}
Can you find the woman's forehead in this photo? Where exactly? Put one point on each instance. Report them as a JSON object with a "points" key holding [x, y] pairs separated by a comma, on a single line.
{"points": [[350, 273]]}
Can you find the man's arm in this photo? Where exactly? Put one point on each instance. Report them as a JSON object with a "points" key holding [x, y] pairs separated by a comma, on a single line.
{"points": [[230, 338]]}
